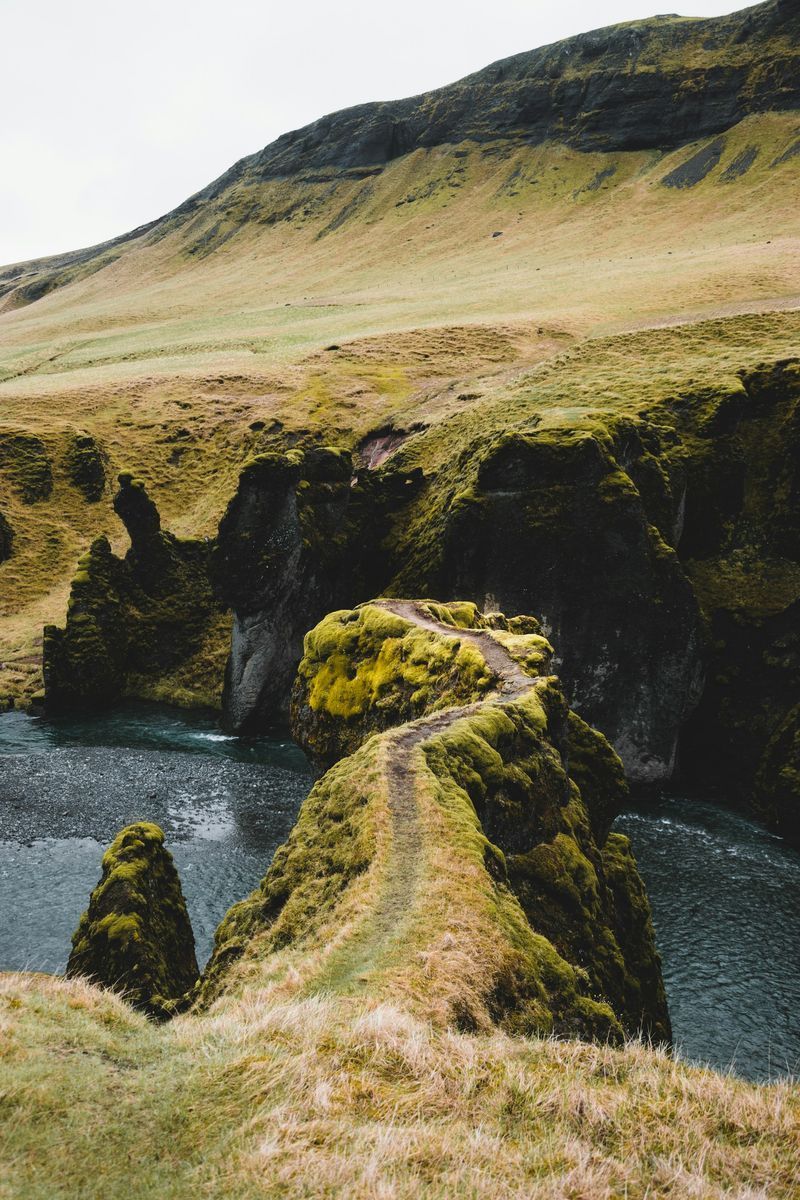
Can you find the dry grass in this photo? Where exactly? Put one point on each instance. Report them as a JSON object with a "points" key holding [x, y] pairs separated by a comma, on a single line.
{"points": [[330, 1097]]}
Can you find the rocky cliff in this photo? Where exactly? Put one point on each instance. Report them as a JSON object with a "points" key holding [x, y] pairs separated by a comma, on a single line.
{"points": [[131, 620], [646, 85]]}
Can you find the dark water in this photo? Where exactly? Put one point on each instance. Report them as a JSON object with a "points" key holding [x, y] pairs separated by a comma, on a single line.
{"points": [[67, 787], [726, 905], [725, 892]]}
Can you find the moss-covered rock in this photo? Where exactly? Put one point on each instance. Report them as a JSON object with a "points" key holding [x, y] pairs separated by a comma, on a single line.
{"points": [[599, 774], [135, 618], [367, 669], [136, 936], [467, 809], [25, 461], [83, 462], [741, 539]]}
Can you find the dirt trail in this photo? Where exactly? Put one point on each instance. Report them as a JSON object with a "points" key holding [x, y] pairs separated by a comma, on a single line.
{"points": [[405, 857]]}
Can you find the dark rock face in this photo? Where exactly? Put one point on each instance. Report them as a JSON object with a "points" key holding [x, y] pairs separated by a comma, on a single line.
{"points": [[126, 617], [300, 538], [777, 797], [6, 538], [741, 542], [556, 526], [648, 84], [85, 467], [136, 937]]}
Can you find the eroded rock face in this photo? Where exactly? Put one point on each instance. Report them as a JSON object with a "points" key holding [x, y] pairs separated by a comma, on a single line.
{"points": [[777, 794], [741, 544], [555, 525], [656, 83], [85, 466], [300, 538], [136, 937], [130, 617]]}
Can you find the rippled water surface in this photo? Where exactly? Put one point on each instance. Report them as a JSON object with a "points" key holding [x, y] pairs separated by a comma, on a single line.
{"points": [[725, 892], [726, 904], [67, 787]]}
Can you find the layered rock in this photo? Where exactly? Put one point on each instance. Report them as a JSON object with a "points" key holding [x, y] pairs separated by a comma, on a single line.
{"points": [[131, 618], [136, 937]]}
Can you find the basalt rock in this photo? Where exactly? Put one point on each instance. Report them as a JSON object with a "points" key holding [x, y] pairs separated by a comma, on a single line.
{"points": [[302, 536], [136, 936], [777, 795], [132, 617], [741, 539], [555, 524]]}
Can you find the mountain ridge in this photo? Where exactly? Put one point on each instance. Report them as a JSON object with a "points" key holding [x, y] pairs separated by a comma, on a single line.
{"points": [[622, 87]]}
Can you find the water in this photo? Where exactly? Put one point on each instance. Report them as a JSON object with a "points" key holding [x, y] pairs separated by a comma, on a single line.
{"points": [[726, 905], [725, 892], [68, 786]]}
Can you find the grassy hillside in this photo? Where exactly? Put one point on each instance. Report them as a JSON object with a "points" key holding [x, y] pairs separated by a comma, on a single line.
{"points": [[187, 353]]}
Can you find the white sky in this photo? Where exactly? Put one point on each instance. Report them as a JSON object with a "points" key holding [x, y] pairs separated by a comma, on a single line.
{"points": [[113, 112]]}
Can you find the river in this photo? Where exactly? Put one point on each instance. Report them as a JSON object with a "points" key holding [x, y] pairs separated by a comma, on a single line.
{"points": [[725, 892]]}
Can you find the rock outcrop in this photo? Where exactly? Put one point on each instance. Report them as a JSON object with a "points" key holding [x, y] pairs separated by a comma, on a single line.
{"points": [[463, 815], [301, 536], [129, 618], [85, 467], [136, 937]]}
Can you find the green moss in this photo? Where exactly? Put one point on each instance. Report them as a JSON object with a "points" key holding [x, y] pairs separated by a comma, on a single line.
{"points": [[599, 774], [367, 669], [135, 936]]}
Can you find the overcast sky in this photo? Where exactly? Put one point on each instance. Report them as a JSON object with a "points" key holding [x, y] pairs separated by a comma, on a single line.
{"points": [[112, 112]]}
